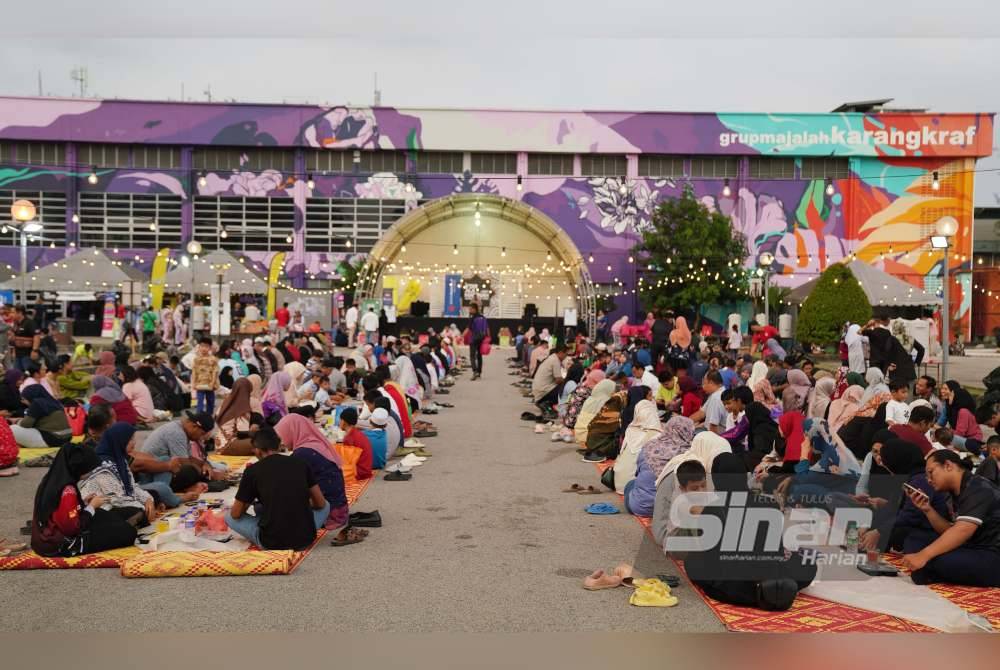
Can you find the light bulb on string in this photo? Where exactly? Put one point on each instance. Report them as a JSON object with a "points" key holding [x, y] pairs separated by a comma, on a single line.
{"points": [[726, 191], [829, 186], [520, 185], [623, 188], [503, 252], [935, 182], [454, 250], [92, 177], [202, 180]]}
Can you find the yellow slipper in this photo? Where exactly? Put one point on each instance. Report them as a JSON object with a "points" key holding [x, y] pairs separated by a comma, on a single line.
{"points": [[652, 593]]}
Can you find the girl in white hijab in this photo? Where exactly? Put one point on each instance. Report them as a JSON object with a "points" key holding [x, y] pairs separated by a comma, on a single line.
{"points": [[248, 354], [876, 385], [757, 373], [297, 372], [644, 427], [855, 349]]}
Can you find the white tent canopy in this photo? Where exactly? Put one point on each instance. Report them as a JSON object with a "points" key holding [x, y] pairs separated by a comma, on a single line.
{"points": [[206, 273], [86, 270], [880, 287]]}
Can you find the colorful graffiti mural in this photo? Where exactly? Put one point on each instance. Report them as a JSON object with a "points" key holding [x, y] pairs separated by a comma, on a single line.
{"points": [[883, 211]]}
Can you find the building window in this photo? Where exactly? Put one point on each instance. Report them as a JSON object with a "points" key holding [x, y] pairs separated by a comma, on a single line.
{"points": [[320, 160], [768, 167], [127, 220], [551, 164], [7, 152], [50, 212], [494, 163], [438, 162], [251, 224], [603, 165], [652, 165], [332, 222], [823, 168], [714, 167], [152, 156], [250, 159], [41, 153], [382, 161], [103, 155]]}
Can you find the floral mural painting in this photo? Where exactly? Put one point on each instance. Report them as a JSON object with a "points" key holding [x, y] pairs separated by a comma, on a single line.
{"points": [[250, 184], [760, 218], [342, 128], [621, 205], [385, 185]]}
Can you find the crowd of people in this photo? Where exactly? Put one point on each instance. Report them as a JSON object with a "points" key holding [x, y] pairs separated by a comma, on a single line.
{"points": [[681, 414], [140, 436]]}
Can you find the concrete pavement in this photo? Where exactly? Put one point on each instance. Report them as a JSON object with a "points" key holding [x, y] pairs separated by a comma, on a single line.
{"points": [[481, 540]]}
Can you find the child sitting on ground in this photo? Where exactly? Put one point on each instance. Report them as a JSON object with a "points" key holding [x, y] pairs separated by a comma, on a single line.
{"points": [[691, 478], [990, 467], [354, 437], [896, 410]]}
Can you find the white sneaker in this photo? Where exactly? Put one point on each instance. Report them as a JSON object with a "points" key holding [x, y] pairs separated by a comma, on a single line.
{"points": [[412, 461], [568, 439]]}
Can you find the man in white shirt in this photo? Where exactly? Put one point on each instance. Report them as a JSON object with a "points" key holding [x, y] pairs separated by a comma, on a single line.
{"points": [[369, 323], [351, 320], [251, 313], [198, 319], [713, 412]]}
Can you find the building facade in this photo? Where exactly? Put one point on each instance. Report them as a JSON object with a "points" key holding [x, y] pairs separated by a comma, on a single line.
{"points": [[324, 184]]}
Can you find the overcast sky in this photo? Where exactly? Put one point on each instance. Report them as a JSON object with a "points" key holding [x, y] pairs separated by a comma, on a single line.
{"points": [[725, 55]]}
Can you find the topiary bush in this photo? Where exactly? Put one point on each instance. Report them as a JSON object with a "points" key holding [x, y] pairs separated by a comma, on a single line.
{"points": [[836, 299]]}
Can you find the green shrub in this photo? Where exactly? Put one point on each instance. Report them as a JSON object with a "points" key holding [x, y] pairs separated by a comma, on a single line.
{"points": [[836, 299]]}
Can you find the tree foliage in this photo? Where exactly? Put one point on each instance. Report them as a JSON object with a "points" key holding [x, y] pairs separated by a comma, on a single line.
{"points": [[836, 299], [349, 274], [691, 256]]}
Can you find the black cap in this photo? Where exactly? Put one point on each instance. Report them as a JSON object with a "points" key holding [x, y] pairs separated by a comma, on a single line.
{"points": [[203, 420]]}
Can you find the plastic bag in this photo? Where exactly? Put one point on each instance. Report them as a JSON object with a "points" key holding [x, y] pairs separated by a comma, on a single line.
{"points": [[484, 346]]}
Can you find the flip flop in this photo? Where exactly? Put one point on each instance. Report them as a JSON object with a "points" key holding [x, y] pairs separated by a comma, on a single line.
{"points": [[445, 404], [353, 537], [599, 580], [573, 488], [397, 476], [601, 508], [591, 491], [652, 593]]}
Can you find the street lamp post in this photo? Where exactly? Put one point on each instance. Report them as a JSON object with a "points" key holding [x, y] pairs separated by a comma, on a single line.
{"points": [[193, 248], [946, 227], [766, 260], [23, 211]]}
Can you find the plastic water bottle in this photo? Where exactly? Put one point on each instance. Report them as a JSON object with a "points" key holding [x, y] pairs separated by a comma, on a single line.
{"points": [[851, 537], [187, 530]]}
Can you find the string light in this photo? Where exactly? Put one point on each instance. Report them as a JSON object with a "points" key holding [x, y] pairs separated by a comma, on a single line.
{"points": [[454, 250], [829, 186], [503, 252], [935, 183], [623, 189], [310, 183], [726, 191], [520, 184], [202, 180]]}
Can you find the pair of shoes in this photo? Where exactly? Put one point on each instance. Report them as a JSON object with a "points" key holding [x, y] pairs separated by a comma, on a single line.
{"points": [[9, 472], [404, 451], [412, 443], [412, 461], [425, 433], [652, 593], [366, 519], [593, 458], [398, 476], [442, 391]]}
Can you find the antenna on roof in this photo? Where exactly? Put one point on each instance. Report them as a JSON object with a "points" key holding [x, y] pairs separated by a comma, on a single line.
{"points": [[39, 83], [208, 93], [378, 94], [79, 75]]}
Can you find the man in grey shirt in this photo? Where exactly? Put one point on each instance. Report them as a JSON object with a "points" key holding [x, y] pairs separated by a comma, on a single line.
{"points": [[713, 412]]}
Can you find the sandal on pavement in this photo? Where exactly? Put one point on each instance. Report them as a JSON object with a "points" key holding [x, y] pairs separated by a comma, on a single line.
{"points": [[590, 491], [600, 580], [573, 488], [397, 476], [353, 537]]}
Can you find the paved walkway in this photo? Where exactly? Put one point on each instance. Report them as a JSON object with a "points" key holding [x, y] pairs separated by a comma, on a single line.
{"points": [[480, 540]]}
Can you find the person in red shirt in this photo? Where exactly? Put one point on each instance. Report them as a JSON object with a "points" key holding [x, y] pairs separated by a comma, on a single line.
{"points": [[63, 524], [355, 438], [915, 431], [283, 316]]}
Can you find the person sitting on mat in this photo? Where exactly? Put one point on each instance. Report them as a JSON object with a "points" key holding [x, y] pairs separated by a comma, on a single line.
{"points": [[65, 522], [309, 445], [113, 481], [107, 392], [73, 384], [173, 441], [966, 548], [237, 421], [44, 423], [355, 437], [288, 503]]}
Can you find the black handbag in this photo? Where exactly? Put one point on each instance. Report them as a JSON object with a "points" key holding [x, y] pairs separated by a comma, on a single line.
{"points": [[608, 478]]}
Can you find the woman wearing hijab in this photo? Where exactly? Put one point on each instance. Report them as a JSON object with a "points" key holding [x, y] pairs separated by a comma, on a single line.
{"points": [[397, 394], [602, 430], [576, 402], [680, 344], [845, 407], [795, 397], [107, 392], [44, 423], [763, 394], [903, 462], [573, 378], [960, 409], [113, 480], [616, 330], [256, 389], [599, 395], [855, 348], [296, 376], [821, 397], [757, 374], [307, 443], [10, 394], [105, 364], [65, 522], [796, 457], [875, 385], [705, 447], [633, 396], [690, 396], [241, 369], [249, 356], [839, 382], [273, 398], [653, 456], [644, 426], [236, 421]]}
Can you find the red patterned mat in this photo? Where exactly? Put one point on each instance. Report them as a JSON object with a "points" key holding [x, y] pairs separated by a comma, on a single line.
{"points": [[117, 558]]}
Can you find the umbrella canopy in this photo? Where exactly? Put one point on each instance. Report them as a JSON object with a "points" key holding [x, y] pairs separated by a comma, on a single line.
{"points": [[86, 270], [206, 273], [880, 287]]}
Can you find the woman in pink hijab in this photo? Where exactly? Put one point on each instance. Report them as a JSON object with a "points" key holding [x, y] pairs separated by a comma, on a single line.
{"points": [[273, 398], [681, 335], [308, 444]]}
